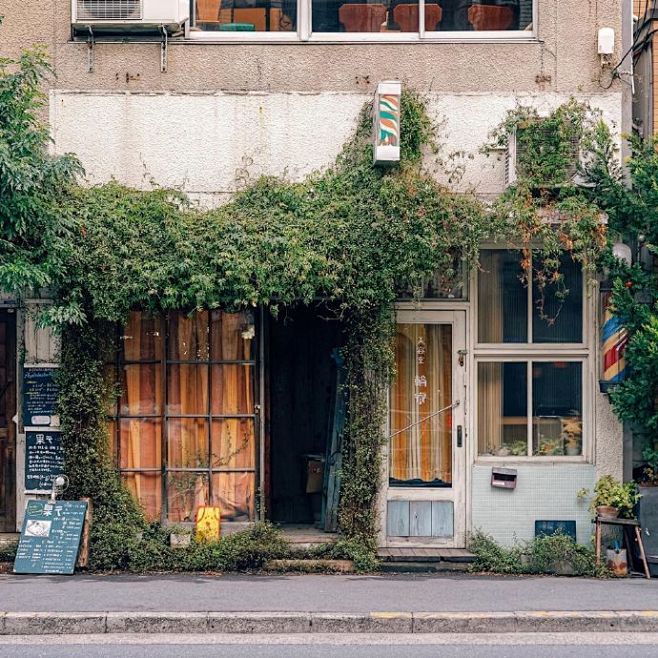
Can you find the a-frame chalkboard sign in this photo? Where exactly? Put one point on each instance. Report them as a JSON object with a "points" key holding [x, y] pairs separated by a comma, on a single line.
{"points": [[50, 538]]}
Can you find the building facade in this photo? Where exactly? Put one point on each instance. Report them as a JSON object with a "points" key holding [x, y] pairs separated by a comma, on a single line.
{"points": [[241, 410]]}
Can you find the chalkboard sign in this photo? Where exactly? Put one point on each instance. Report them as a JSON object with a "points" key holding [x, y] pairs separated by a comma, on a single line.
{"points": [[44, 459], [50, 538], [39, 397]]}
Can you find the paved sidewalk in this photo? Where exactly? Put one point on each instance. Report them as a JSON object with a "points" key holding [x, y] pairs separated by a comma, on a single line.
{"points": [[321, 593]]}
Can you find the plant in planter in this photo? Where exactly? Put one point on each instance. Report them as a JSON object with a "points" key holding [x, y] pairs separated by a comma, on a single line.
{"points": [[572, 430], [612, 498]]}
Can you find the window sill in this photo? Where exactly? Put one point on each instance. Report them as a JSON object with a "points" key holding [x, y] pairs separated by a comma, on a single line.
{"points": [[344, 39], [521, 461]]}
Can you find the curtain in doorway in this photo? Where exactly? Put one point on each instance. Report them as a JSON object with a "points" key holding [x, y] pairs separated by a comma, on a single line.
{"points": [[421, 448]]}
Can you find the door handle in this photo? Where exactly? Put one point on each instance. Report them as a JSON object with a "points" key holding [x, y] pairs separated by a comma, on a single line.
{"points": [[459, 436]]}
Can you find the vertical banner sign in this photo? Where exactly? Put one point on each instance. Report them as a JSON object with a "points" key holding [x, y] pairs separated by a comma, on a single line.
{"points": [[44, 459], [50, 538], [387, 123], [614, 339], [39, 397]]}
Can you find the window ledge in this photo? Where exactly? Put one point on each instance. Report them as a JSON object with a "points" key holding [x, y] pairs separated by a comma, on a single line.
{"points": [[211, 39], [522, 461]]}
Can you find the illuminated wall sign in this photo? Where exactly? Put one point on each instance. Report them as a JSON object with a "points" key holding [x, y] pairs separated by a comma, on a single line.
{"points": [[387, 122]]}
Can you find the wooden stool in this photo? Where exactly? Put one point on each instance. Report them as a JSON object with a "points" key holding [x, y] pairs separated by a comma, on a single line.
{"points": [[630, 526]]}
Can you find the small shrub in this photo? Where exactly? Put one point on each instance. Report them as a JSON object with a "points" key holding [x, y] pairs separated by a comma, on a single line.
{"points": [[491, 556], [553, 554], [8, 551], [362, 552]]}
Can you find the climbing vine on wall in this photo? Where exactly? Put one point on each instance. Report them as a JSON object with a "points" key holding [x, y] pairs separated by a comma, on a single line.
{"points": [[354, 235]]}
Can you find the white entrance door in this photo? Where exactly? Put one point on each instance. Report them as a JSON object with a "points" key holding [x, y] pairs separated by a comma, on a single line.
{"points": [[424, 505]]}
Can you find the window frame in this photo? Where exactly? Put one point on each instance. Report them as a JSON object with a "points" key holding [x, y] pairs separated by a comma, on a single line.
{"points": [[304, 32], [584, 353], [164, 471]]}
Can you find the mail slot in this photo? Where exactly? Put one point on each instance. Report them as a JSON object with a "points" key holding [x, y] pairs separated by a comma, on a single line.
{"points": [[503, 478]]}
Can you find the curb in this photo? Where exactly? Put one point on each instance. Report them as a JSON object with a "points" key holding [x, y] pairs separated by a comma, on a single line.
{"points": [[46, 623]]}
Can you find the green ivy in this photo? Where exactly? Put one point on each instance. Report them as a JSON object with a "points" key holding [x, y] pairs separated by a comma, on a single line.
{"points": [[354, 235]]}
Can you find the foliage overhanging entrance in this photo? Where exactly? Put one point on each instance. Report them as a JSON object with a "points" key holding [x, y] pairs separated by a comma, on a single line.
{"points": [[353, 235]]}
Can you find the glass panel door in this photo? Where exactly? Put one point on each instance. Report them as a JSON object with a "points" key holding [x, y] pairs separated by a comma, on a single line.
{"points": [[425, 501], [421, 417]]}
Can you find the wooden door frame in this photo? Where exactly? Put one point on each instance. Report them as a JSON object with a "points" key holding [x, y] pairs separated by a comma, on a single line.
{"points": [[457, 317], [8, 519]]}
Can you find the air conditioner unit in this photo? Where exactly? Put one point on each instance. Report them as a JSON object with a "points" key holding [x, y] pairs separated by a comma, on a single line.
{"points": [[514, 155], [128, 15]]}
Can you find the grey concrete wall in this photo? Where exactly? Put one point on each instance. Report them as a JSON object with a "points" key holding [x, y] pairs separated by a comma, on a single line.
{"points": [[561, 59]]}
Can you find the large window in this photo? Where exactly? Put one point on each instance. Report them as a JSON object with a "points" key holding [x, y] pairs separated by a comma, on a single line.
{"points": [[184, 424], [387, 17], [531, 360]]}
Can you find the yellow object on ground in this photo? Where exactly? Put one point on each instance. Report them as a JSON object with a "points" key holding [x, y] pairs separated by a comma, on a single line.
{"points": [[207, 523]]}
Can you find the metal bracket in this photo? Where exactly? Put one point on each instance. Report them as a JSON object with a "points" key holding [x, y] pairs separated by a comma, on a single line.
{"points": [[164, 50], [91, 42]]}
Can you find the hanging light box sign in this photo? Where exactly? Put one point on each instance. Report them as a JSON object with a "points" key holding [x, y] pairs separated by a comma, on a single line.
{"points": [[387, 123]]}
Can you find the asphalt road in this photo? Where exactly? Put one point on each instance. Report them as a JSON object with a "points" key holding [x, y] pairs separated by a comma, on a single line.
{"points": [[321, 593], [537, 645]]}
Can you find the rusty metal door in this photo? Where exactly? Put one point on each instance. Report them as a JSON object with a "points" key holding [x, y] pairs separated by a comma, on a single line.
{"points": [[7, 425]]}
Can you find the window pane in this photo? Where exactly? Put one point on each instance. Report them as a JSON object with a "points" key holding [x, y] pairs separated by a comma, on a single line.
{"points": [[233, 443], [233, 336], [187, 392], [234, 494], [187, 443], [503, 409], [561, 305], [142, 338], [502, 298], [141, 390], [372, 16], [246, 15], [557, 419], [232, 389], [188, 336], [421, 452], [486, 15], [185, 492], [146, 488], [141, 443]]}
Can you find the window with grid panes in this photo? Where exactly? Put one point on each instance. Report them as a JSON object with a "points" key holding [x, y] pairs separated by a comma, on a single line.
{"points": [[184, 424]]}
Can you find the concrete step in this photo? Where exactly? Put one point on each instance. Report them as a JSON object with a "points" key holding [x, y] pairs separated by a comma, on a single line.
{"points": [[426, 555], [422, 567]]}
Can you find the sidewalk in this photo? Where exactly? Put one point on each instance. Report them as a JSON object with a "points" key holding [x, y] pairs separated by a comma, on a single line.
{"points": [[320, 603], [321, 593]]}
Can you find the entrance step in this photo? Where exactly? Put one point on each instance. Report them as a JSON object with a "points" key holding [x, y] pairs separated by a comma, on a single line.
{"points": [[303, 537], [424, 560]]}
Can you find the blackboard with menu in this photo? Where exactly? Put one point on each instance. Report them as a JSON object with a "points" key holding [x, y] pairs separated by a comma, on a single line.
{"points": [[44, 459], [50, 538], [39, 397]]}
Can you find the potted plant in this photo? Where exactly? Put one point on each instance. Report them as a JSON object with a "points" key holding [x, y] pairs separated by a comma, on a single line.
{"points": [[612, 498]]}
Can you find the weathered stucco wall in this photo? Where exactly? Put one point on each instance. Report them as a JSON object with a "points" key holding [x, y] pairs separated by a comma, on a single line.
{"points": [[207, 144], [562, 58]]}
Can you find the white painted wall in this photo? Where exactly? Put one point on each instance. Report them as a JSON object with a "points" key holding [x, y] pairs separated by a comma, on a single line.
{"points": [[207, 143], [544, 492]]}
